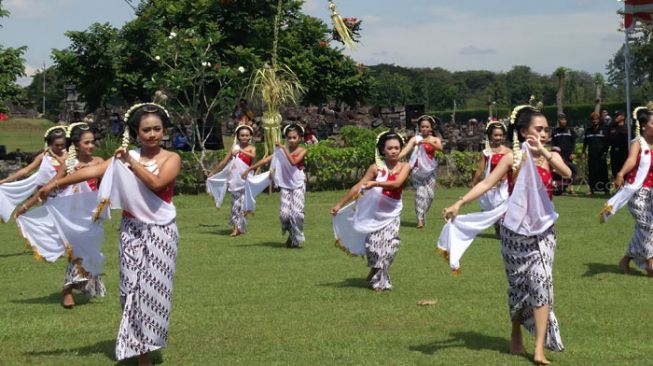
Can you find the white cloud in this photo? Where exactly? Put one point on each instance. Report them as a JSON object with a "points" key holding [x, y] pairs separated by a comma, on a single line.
{"points": [[473, 50], [30, 70], [28, 9], [582, 41]]}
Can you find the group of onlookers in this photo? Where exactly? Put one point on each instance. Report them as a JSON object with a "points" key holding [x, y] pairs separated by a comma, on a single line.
{"points": [[606, 136]]}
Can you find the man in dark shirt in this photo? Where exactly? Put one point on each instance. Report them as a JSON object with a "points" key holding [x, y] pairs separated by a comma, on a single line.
{"points": [[618, 138], [596, 143], [564, 141]]}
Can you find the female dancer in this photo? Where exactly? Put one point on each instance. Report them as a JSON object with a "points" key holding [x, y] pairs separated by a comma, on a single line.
{"points": [[638, 193], [14, 189], [528, 237], [80, 155], [423, 165], [141, 182], [231, 169], [287, 169], [492, 154], [378, 211]]}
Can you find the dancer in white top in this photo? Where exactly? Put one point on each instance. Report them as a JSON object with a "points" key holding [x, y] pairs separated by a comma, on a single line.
{"points": [[16, 188], [141, 182], [227, 175], [287, 172], [370, 225], [423, 165], [635, 180], [528, 237]]}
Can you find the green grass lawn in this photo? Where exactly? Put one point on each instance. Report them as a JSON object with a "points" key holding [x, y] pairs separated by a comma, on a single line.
{"points": [[250, 301], [22, 133]]}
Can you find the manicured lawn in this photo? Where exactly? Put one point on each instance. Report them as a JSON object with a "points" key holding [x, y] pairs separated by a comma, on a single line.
{"points": [[26, 134], [250, 301]]}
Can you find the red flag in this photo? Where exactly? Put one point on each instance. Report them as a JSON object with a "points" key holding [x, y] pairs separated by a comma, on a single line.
{"points": [[641, 10]]}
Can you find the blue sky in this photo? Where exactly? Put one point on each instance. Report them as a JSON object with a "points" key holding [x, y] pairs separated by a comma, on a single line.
{"points": [[456, 34]]}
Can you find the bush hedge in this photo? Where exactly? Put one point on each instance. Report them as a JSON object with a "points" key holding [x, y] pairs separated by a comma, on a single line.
{"points": [[577, 114]]}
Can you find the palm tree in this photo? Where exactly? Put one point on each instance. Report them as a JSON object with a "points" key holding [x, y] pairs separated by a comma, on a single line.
{"points": [[599, 81], [561, 74]]}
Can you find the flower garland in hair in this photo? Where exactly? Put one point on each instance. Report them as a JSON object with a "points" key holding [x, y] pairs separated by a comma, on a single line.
{"points": [[378, 160], [47, 132], [488, 148], [516, 148], [236, 143], [285, 129], [125, 134], [72, 151], [139, 105], [637, 126]]}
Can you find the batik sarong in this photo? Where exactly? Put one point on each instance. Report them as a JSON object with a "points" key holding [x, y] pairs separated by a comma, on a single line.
{"points": [[147, 254], [528, 261], [640, 247], [291, 213]]}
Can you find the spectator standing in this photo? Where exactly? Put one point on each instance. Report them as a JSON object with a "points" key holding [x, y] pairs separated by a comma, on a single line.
{"points": [[596, 144], [564, 141], [618, 138]]}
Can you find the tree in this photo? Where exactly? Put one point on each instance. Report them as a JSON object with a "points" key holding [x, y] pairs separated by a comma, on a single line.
{"points": [[54, 93], [561, 75], [12, 66], [89, 62], [599, 81]]}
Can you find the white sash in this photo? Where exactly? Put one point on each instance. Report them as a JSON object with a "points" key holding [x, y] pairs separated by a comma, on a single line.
{"points": [[229, 178], [425, 165], [457, 234], [527, 212], [65, 223], [623, 195], [121, 189], [253, 187], [371, 212], [530, 211], [13, 193], [286, 175], [497, 194]]}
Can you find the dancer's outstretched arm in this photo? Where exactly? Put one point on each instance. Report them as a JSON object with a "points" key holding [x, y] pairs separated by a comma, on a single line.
{"points": [[629, 164], [504, 166], [21, 173], [408, 148], [369, 174], [256, 165]]}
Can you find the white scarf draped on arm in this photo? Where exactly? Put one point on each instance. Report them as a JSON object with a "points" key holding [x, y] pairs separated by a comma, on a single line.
{"points": [[497, 194], [121, 189], [370, 212], [626, 192], [425, 165], [65, 224], [284, 175], [229, 178], [528, 211], [13, 193]]}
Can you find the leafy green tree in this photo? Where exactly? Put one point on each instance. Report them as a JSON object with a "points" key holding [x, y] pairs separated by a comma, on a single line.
{"points": [[89, 62], [54, 93], [12, 66]]}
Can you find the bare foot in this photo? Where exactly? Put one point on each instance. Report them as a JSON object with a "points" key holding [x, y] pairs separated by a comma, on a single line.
{"points": [[541, 361], [68, 301], [539, 358], [235, 233], [517, 345], [624, 264], [420, 224]]}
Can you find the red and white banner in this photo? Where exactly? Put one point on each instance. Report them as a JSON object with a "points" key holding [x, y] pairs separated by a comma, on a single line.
{"points": [[641, 10]]}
